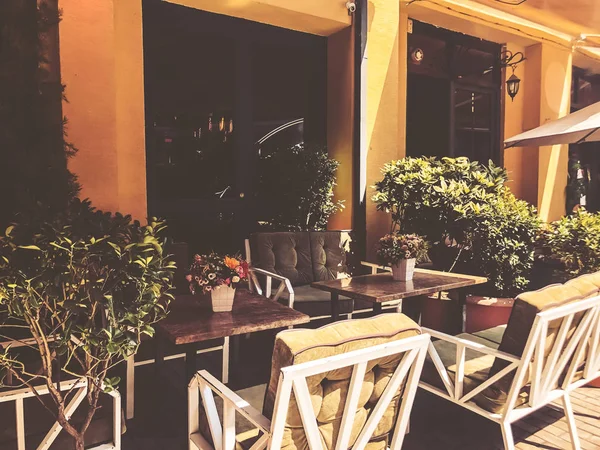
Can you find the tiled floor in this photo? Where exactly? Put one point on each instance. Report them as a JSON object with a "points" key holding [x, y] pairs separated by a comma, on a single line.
{"points": [[160, 422]]}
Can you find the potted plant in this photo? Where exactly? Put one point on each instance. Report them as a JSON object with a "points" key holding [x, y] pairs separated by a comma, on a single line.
{"points": [[400, 252], [218, 276], [475, 224], [85, 286]]}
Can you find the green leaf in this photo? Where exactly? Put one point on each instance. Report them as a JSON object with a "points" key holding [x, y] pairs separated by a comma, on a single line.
{"points": [[9, 230], [30, 247]]}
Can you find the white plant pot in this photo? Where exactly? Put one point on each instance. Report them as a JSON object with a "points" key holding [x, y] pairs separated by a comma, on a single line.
{"points": [[403, 270], [222, 298]]}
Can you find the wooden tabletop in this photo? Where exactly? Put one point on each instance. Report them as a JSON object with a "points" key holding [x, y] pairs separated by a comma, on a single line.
{"points": [[191, 319], [382, 288]]}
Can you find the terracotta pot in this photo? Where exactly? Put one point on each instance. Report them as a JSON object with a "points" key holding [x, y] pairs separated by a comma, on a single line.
{"points": [[594, 383], [222, 298], [487, 312], [403, 270]]}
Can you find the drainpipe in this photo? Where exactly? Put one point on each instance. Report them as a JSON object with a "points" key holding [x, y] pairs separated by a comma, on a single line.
{"points": [[359, 150]]}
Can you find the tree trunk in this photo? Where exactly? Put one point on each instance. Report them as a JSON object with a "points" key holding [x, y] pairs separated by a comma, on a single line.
{"points": [[79, 443]]}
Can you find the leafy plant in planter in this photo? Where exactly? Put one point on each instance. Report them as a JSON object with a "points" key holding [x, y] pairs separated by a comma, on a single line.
{"points": [[85, 285], [574, 241], [296, 188], [431, 196], [464, 208], [501, 244]]}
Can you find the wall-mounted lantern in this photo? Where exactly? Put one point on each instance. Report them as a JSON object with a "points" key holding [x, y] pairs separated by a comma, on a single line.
{"points": [[508, 58]]}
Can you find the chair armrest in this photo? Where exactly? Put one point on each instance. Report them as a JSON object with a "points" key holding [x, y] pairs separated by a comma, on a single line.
{"points": [[374, 267], [455, 388], [203, 378], [284, 285], [268, 274], [472, 345]]}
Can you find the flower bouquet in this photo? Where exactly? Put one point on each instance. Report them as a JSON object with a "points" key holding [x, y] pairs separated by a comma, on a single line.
{"points": [[218, 275], [400, 252]]}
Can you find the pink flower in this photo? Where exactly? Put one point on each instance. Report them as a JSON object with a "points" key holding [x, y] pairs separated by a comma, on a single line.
{"points": [[197, 258], [189, 278], [228, 281]]}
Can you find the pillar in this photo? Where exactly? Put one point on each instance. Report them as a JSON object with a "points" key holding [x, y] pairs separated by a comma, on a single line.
{"points": [[101, 58], [383, 110]]}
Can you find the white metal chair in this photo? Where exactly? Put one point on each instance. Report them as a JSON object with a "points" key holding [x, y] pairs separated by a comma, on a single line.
{"points": [[562, 353], [294, 388]]}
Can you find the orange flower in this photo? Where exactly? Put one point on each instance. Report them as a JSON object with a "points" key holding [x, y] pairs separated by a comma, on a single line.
{"points": [[232, 263]]}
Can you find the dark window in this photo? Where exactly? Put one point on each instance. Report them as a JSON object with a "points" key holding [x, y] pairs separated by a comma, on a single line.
{"points": [[219, 91]]}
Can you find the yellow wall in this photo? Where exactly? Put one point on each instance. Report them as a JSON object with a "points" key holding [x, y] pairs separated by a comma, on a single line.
{"points": [[311, 16], [102, 67], [383, 107], [521, 163], [555, 95], [340, 122]]}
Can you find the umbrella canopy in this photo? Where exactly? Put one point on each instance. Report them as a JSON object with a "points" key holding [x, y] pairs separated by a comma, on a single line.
{"points": [[580, 126]]}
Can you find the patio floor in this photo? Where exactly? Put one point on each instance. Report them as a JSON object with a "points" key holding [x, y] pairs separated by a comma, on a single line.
{"points": [[160, 422]]}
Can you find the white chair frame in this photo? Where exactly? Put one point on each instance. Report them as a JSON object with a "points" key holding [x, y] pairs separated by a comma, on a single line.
{"points": [[131, 364], [569, 353], [293, 379], [79, 388]]}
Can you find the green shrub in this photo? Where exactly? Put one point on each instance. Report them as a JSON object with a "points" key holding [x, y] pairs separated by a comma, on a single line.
{"points": [[466, 205], [574, 241], [502, 237], [431, 196], [296, 189], [85, 285]]}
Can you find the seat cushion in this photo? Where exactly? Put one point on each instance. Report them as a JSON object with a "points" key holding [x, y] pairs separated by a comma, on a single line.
{"points": [[315, 302], [328, 390], [284, 253], [493, 335], [328, 254]]}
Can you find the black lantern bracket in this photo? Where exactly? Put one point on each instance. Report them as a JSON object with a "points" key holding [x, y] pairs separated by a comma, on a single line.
{"points": [[510, 59]]}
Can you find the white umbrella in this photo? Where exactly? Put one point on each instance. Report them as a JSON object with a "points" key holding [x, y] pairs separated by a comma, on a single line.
{"points": [[580, 126]]}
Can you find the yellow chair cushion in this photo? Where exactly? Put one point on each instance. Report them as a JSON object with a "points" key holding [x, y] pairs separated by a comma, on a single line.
{"points": [[329, 390]]}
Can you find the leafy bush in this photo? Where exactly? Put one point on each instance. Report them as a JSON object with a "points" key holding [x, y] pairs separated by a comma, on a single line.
{"points": [[466, 205], [574, 241], [85, 285], [296, 188], [432, 197], [396, 247], [501, 247]]}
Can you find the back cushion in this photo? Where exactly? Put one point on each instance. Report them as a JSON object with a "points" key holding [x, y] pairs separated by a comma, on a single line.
{"points": [[328, 254], [284, 253], [329, 390]]}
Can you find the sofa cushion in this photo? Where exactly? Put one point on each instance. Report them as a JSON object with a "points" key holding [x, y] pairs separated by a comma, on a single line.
{"points": [[327, 390], [284, 253], [316, 302], [328, 255]]}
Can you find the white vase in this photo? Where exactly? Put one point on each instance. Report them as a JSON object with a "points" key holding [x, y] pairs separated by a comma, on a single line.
{"points": [[222, 298], [403, 270]]}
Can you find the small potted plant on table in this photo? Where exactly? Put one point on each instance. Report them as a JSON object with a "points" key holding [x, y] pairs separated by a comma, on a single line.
{"points": [[218, 276], [401, 252]]}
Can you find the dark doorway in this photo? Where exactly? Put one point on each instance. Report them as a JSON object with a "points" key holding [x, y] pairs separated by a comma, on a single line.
{"points": [[454, 95], [218, 91]]}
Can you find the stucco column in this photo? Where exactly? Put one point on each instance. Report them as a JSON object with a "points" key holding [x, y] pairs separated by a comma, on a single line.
{"points": [[555, 102], [101, 57], [548, 97], [383, 111]]}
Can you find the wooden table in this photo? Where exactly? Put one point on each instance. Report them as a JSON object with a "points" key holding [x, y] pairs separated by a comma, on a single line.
{"points": [[191, 321], [380, 288]]}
